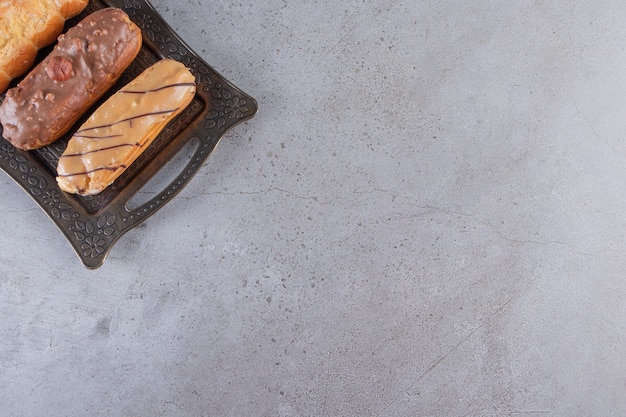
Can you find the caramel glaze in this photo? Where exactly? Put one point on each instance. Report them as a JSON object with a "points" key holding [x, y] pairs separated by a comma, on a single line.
{"points": [[123, 127], [87, 60]]}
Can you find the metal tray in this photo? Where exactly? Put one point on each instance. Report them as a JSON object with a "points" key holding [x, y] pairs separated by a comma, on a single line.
{"points": [[92, 224]]}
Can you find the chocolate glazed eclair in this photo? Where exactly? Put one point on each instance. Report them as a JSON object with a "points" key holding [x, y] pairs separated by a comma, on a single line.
{"points": [[87, 60], [123, 127]]}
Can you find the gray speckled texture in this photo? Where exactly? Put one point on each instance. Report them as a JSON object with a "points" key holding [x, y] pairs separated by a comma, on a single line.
{"points": [[425, 218]]}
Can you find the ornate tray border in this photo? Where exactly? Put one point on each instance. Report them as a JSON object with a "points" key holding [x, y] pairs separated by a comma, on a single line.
{"points": [[93, 230]]}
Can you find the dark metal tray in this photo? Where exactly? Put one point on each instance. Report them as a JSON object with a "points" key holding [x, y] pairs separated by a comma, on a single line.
{"points": [[92, 224]]}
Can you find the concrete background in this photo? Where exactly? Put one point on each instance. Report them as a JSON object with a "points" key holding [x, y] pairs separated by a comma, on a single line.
{"points": [[425, 218]]}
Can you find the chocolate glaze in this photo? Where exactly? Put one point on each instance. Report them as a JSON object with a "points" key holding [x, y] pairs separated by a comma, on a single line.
{"points": [[158, 89], [98, 137], [108, 148], [91, 171], [129, 119], [86, 61]]}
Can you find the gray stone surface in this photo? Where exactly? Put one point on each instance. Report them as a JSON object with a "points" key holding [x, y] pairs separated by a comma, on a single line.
{"points": [[425, 218]]}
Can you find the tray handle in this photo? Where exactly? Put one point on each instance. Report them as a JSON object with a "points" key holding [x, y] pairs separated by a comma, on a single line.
{"points": [[133, 215]]}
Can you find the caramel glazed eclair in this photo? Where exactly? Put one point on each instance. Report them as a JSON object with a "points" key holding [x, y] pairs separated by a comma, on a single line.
{"points": [[123, 127], [86, 62]]}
